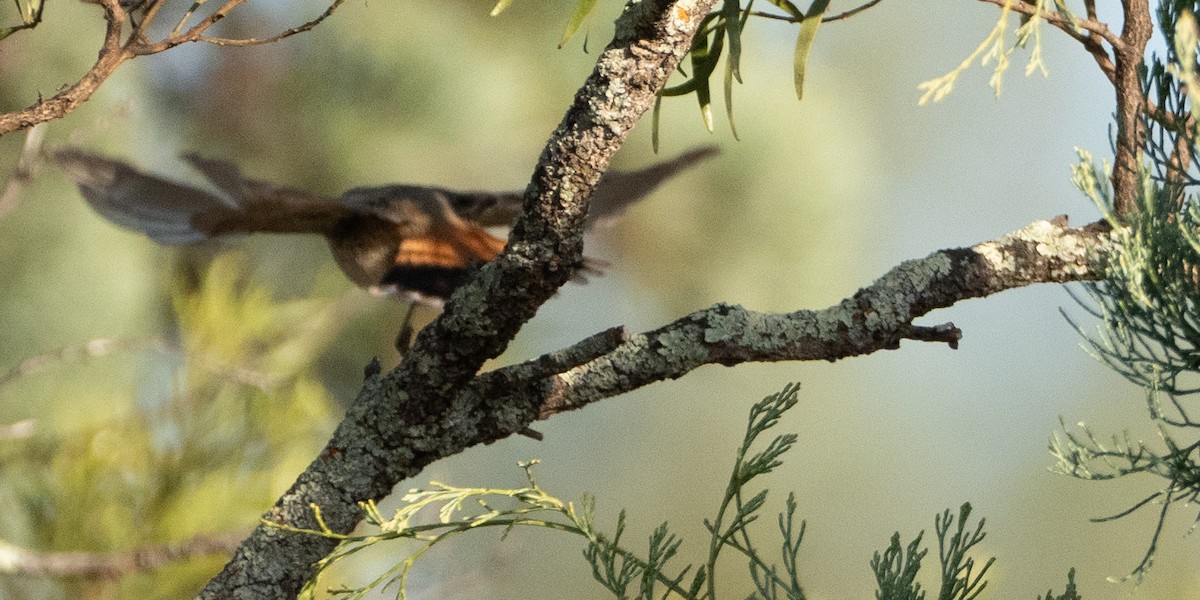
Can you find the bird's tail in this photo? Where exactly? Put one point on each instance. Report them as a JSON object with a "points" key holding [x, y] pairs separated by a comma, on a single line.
{"points": [[173, 213]]}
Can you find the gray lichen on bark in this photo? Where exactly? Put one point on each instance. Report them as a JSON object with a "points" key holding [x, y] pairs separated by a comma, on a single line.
{"points": [[436, 403]]}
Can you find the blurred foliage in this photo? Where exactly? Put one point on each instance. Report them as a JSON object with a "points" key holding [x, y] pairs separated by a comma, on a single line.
{"points": [[205, 432]]}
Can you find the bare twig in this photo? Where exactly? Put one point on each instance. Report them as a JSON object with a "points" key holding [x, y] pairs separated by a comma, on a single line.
{"points": [[17, 560], [851, 12], [945, 333], [100, 347], [113, 53], [90, 349], [275, 38], [111, 57], [838, 17], [196, 32]]}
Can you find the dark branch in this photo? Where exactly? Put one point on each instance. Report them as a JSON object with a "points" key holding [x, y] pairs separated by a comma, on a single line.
{"points": [[876, 318], [408, 418], [1135, 33]]}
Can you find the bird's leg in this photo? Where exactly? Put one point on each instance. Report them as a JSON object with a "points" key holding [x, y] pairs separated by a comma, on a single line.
{"points": [[405, 337]]}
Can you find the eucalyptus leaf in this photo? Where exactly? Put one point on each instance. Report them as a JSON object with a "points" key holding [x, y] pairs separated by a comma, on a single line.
{"points": [[582, 10], [804, 41], [701, 61], [501, 6], [731, 13], [654, 123]]}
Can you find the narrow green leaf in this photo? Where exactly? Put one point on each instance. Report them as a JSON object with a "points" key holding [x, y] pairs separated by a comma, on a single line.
{"points": [[701, 66], [788, 8], [500, 6], [733, 19], [804, 41], [729, 75], [35, 12], [582, 10], [654, 124]]}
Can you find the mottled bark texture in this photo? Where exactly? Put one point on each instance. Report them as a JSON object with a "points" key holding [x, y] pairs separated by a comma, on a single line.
{"points": [[414, 415], [435, 403], [1131, 137]]}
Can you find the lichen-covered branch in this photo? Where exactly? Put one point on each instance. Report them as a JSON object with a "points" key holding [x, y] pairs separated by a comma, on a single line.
{"points": [[876, 318], [412, 416]]}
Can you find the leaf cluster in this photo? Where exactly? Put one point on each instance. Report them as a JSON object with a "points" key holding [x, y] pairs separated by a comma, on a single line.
{"points": [[1149, 301], [720, 36], [653, 574], [223, 413]]}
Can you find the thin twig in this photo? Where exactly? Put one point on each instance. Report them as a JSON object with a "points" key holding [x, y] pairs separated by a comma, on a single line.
{"points": [[838, 17], [111, 56], [851, 12], [18, 560], [100, 347], [1068, 26], [945, 333], [288, 33]]}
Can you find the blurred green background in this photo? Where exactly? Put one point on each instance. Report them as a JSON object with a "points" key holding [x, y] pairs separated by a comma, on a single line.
{"points": [[163, 437]]}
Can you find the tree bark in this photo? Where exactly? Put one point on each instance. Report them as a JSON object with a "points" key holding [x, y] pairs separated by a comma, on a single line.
{"points": [[435, 403]]}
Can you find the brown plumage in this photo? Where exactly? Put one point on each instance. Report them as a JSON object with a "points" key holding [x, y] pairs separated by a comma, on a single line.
{"points": [[419, 241]]}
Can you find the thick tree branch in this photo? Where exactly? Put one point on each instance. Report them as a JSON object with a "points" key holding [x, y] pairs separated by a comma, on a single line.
{"points": [[876, 318], [1135, 33], [412, 416]]}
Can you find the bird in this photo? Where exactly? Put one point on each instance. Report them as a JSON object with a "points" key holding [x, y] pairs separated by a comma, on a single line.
{"points": [[419, 243]]}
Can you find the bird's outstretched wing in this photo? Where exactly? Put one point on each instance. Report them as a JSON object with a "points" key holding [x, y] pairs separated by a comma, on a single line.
{"points": [[616, 192], [174, 213], [419, 239]]}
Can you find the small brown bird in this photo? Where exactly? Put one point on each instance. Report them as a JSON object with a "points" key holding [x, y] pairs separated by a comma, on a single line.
{"points": [[419, 242]]}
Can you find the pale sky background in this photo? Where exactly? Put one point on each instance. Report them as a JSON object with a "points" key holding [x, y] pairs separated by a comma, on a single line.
{"points": [[818, 198]]}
